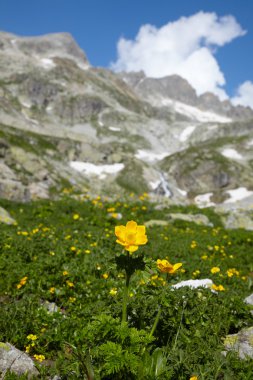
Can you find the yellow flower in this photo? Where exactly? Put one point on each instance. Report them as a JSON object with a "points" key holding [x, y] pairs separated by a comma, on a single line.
{"points": [[22, 282], [70, 284], [215, 270], [194, 378], [65, 273], [131, 236], [27, 349], [31, 337], [105, 276], [166, 267], [113, 292], [218, 288], [193, 244], [76, 216], [232, 271], [52, 290], [40, 358]]}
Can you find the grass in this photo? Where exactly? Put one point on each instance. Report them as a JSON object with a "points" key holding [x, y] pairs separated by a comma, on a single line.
{"points": [[63, 253]]}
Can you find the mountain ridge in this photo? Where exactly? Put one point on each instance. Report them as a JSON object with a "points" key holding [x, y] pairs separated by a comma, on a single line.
{"points": [[56, 110]]}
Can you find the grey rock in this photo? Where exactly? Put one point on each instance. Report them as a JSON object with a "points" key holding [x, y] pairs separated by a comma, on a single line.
{"points": [[51, 307], [14, 191], [4, 146], [156, 222], [249, 299], [14, 360], [79, 108], [38, 190], [199, 219], [241, 343], [238, 219], [7, 173], [5, 217]]}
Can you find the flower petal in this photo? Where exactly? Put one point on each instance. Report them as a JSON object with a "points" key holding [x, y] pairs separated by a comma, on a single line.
{"points": [[131, 226], [177, 266], [132, 248], [120, 232]]}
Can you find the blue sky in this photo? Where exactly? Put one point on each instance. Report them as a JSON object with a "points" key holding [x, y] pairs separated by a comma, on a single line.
{"points": [[99, 25]]}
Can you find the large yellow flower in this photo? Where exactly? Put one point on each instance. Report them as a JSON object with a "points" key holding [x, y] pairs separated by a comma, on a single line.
{"points": [[166, 267], [131, 236]]}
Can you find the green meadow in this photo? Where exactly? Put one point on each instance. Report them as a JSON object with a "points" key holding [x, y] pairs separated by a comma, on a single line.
{"points": [[62, 286]]}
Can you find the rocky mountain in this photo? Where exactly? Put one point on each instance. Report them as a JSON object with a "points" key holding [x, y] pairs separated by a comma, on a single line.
{"points": [[64, 123]]}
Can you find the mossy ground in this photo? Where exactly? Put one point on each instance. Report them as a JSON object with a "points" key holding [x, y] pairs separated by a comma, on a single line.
{"points": [[66, 252]]}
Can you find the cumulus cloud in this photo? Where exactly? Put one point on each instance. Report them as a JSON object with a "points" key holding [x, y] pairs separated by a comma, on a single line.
{"points": [[244, 95], [185, 47]]}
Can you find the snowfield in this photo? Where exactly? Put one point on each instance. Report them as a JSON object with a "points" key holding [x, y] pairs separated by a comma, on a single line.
{"points": [[98, 170], [149, 156], [238, 194]]}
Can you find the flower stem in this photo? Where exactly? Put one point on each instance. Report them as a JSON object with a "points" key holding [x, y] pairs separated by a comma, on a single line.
{"points": [[158, 315], [125, 299]]}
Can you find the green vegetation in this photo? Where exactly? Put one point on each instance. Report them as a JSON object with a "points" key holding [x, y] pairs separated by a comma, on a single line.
{"points": [[131, 178], [62, 256], [29, 141]]}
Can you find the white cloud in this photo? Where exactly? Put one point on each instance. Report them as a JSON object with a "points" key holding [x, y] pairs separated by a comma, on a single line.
{"points": [[244, 95], [185, 47]]}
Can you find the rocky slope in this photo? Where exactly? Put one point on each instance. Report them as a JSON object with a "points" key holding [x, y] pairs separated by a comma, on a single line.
{"points": [[64, 123]]}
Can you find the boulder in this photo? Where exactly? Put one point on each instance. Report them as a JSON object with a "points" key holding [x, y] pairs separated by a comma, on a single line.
{"points": [[14, 191], [242, 343], [5, 217], [14, 360], [199, 219], [156, 222], [238, 219]]}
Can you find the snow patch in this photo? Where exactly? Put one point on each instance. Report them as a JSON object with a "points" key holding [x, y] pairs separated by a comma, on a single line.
{"points": [[231, 153], [187, 132], [83, 66], [99, 170], [182, 192], [114, 129], [193, 112], [149, 156], [203, 200], [238, 194], [205, 283], [250, 143], [47, 63]]}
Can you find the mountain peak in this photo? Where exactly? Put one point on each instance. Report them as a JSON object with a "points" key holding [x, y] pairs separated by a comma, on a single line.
{"points": [[45, 46]]}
